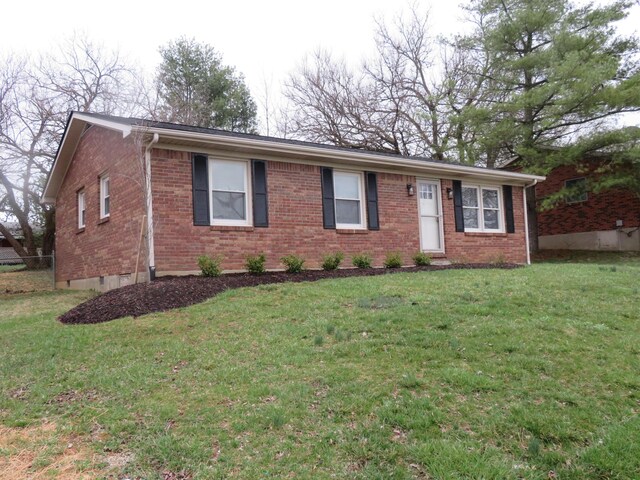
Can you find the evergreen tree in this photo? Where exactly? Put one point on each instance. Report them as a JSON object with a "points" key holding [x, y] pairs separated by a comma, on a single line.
{"points": [[562, 77], [195, 88]]}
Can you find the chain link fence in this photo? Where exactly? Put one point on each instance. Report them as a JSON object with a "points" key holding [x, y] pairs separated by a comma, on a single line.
{"points": [[26, 274]]}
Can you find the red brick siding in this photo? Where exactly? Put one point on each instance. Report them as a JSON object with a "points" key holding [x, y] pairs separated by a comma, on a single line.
{"points": [[107, 248], [598, 213], [484, 247], [295, 222]]}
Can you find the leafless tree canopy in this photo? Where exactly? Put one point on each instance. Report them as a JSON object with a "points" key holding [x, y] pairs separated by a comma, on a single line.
{"points": [[35, 98], [406, 100]]}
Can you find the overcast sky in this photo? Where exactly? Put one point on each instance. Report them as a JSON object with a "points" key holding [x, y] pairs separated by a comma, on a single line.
{"points": [[264, 40]]}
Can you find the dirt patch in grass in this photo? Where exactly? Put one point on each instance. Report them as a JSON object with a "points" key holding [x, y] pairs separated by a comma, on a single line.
{"points": [[37, 452], [25, 281], [167, 293], [73, 396]]}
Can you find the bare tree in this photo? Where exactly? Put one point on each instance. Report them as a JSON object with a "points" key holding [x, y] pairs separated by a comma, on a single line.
{"points": [[268, 111], [35, 102], [408, 99], [334, 105]]}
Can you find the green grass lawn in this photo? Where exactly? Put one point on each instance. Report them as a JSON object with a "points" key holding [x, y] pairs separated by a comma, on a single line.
{"points": [[10, 268], [492, 374]]}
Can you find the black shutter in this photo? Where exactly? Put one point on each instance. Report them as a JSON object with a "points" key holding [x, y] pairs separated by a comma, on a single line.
{"points": [[200, 185], [457, 205], [371, 187], [507, 193], [328, 207], [260, 203]]}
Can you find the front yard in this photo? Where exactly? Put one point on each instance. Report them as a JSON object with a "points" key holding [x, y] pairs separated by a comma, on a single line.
{"points": [[497, 374]]}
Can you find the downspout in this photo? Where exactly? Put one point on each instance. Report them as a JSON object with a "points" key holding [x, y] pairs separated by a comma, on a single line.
{"points": [[526, 218], [151, 259]]}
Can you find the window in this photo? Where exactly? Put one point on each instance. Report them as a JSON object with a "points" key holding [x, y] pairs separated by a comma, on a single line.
{"points": [[426, 191], [105, 196], [578, 190], [229, 189], [348, 199], [481, 209], [81, 209]]}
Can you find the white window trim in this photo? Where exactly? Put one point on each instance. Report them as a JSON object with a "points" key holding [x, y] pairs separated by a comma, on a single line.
{"points": [[482, 229], [350, 226], [82, 208], [247, 191], [586, 194], [103, 197]]}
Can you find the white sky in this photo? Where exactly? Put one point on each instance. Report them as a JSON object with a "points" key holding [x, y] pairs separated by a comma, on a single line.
{"points": [[263, 39]]}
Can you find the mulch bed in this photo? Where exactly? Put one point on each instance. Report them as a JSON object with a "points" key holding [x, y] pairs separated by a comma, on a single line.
{"points": [[166, 293]]}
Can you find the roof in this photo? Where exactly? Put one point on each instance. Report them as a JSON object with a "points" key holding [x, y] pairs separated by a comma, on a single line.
{"points": [[199, 139]]}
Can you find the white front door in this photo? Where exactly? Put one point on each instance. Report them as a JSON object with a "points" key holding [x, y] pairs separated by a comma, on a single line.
{"points": [[430, 216]]}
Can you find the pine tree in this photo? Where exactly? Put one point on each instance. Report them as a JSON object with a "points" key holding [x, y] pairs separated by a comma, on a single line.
{"points": [[561, 77], [195, 88]]}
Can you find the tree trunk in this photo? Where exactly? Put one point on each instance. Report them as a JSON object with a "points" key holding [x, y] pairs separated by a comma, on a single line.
{"points": [[48, 237], [20, 250]]}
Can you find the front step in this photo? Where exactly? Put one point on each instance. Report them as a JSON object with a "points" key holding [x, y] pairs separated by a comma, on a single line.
{"points": [[440, 261]]}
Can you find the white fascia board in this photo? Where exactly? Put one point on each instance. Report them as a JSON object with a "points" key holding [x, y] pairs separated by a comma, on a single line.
{"points": [[125, 128], [68, 146], [271, 147]]}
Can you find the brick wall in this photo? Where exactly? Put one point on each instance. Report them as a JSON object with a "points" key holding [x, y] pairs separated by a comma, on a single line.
{"points": [[484, 247], [598, 213], [295, 222], [108, 247]]}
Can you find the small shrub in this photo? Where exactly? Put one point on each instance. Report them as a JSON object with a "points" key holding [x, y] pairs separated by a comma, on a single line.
{"points": [[318, 340], [361, 260], [393, 260], [209, 266], [331, 329], [421, 259], [499, 259], [255, 263], [332, 262], [293, 263]]}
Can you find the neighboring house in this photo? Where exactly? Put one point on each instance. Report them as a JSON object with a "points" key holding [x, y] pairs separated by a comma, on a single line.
{"points": [[230, 195], [609, 220], [8, 255]]}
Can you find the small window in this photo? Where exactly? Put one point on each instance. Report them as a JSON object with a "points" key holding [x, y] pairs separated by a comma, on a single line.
{"points": [[81, 209], [481, 209], [578, 190], [105, 196], [348, 199], [229, 192], [426, 191]]}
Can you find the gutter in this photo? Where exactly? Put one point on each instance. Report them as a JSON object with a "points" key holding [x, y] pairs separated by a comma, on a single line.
{"points": [[151, 257], [361, 156], [526, 218]]}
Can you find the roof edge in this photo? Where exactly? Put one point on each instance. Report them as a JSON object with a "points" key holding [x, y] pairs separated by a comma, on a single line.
{"points": [[76, 123], [319, 150]]}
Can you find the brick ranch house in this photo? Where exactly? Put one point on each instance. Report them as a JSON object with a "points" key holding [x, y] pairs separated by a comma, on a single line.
{"points": [[607, 220], [202, 191]]}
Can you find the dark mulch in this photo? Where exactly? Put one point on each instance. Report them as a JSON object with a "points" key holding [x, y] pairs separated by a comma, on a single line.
{"points": [[166, 293]]}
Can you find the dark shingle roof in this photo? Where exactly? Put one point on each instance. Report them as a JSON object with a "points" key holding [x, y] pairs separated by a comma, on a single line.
{"points": [[226, 133]]}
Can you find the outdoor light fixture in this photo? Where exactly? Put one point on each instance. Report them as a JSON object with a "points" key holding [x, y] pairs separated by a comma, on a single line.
{"points": [[450, 193], [410, 190]]}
